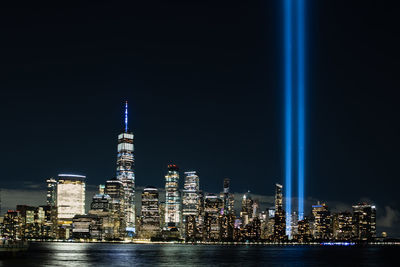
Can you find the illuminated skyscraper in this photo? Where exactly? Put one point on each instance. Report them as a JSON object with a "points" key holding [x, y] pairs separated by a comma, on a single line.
{"points": [[51, 208], [279, 220], [32, 221], [322, 222], [212, 218], [227, 212], [247, 208], [200, 217], [294, 225], [150, 226], [12, 225], [125, 173], [101, 207], [190, 204], [51, 198], [227, 198], [255, 209], [342, 226], [303, 231], [115, 189], [267, 218], [70, 196], [190, 194], [172, 197], [364, 222]]}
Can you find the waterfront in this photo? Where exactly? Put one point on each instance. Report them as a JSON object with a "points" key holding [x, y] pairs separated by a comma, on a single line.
{"points": [[105, 254]]}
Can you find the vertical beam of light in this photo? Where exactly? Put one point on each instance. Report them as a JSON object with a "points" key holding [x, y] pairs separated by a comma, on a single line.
{"points": [[300, 106], [288, 109], [126, 116]]}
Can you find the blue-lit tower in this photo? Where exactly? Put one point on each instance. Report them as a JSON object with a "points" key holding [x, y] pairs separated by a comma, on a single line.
{"points": [[126, 174]]}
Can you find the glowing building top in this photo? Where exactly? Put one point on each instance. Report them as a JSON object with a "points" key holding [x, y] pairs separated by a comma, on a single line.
{"points": [[126, 116]]}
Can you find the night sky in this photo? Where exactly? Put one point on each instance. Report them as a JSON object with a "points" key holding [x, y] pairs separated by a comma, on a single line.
{"points": [[204, 81]]}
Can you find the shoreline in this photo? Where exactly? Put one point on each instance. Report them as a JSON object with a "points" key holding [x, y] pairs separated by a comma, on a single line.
{"points": [[144, 242]]}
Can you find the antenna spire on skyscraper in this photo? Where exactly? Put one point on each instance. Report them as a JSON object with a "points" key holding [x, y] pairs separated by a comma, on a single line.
{"points": [[126, 116]]}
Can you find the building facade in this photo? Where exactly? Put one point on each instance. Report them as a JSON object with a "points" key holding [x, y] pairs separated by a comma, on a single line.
{"points": [[172, 197], [228, 198], [70, 196], [190, 194], [247, 208], [364, 222], [126, 174], [279, 216], [115, 189], [51, 197], [342, 226], [212, 218], [322, 222], [150, 217]]}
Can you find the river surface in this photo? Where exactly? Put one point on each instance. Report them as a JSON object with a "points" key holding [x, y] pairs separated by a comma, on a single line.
{"points": [[105, 254]]}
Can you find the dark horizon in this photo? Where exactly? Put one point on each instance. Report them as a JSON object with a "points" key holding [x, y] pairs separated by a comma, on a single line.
{"points": [[205, 89]]}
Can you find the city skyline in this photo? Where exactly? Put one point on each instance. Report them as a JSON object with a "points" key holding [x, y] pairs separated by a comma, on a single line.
{"points": [[203, 217], [185, 213], [200, 133], [227, 114], [182, 183]]}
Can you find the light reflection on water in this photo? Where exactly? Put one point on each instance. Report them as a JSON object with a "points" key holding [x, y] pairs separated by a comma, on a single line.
{"points": [[103, 254]]}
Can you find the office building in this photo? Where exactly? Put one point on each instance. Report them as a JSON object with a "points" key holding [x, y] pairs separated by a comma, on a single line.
{"points": [[212, 218], [190, 194], [303, 231], [32, 221], [190, 203], [172, 198], [150, 217], [108, 220], [342, 226], [86, 227], [126, 174], [228, 198], [322, 222], [70, 197], [364, 222], [115, 189], [51, 197], [247, 208], [12, 225], [279, 215], [49, 226]]}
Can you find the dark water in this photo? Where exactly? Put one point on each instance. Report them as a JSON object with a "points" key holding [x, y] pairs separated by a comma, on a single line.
{"points": [[102, 254]]}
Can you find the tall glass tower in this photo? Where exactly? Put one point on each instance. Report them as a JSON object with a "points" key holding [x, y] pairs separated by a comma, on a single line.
{"points": [[227, 197], [172, 197], [191, 194], [125, 173], [51, 192], [280, 222]]}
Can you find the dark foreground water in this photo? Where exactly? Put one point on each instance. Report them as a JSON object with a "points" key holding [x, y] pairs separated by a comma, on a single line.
{"points": [[103, 254]]}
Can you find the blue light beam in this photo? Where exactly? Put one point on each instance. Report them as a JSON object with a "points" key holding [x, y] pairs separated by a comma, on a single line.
{"points": [[300, 106], [288, 108]]}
